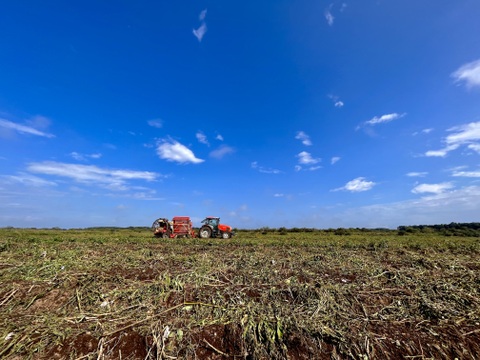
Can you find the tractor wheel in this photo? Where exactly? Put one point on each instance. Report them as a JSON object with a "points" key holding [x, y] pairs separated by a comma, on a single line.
{"points": [[226, 235], [205, 232], [165, 235]]}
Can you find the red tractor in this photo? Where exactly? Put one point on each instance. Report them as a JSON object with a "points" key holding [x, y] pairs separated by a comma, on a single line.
{"points": [[180, 226], [212, 228]]}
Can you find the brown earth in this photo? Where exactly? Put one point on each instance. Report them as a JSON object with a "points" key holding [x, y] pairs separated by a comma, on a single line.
{"points": [[198, 303]]}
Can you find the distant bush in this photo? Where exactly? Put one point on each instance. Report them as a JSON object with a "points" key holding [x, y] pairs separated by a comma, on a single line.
{"points": [[452, 229]]}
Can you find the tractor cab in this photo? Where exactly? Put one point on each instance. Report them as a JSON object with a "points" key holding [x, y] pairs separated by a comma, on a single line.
{"points": [[212, 228], [212, 221]]}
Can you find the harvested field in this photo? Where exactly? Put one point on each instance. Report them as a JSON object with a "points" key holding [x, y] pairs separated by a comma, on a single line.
{"points": [[122, 294]]}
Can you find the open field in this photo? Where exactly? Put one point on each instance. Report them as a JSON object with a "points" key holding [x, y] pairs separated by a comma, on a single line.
{"points": [[122, 294]]}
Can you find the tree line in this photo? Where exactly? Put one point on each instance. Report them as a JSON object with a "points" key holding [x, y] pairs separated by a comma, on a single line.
{"points": [[452, 229]]}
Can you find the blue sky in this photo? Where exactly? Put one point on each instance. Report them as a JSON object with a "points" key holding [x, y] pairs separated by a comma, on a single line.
{"points": [[280, 113]]}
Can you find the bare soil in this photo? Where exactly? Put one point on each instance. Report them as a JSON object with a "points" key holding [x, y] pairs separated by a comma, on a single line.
{"points": [[235, 301]]}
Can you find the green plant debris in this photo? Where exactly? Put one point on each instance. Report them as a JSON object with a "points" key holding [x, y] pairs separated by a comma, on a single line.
{"points": [[110, 294]]}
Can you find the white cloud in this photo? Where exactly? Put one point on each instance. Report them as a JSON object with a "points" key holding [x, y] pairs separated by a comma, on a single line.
{"points": [[440, 153], [468, 73], [424, 131], [432, 188], [203, 15], [384, 118], [222, 151], [77, 156], [305, 158], [27, 179], [471, 174], [436, 153], [474, 147], [334, 159], [466, 134], [90, 174], [202, 138], [357, 185], [176, 152], [417, 174], [336, 101], [23, 129], [328, 15], [200, 32], [461, 205], [83, 157], [156, 123], [202, 29], [219, 137], [263, 169], [304, 138]]}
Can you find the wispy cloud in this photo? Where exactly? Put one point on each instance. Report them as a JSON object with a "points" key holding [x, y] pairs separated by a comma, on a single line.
{"points": [[305, 158], [203, 15], [202, 138], [474, 147], [417, 174], [83, 157], [357, 185], [468, 73], [470, 174], [428, 209], [27, 179], [113, 179], [328, 15], [432, 188], [384, 118], [222, 151], [336, 101], [424, 131], [156, 123], [334, 159], [304, 138], [174, 151], [199, 33], [466, 134], [23, 129], [264, 169], [440, 153]]}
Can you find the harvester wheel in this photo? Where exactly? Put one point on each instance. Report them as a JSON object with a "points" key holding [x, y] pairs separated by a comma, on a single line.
{"points": [[205, 232], [165, 235], [226, 235]]}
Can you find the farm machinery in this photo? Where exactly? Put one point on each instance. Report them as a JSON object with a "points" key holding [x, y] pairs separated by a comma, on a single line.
{"points": [[212, 228], [181, 226]]}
